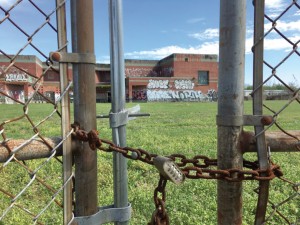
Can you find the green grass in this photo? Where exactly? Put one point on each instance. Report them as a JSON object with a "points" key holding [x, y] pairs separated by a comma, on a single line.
{"points": [[181, 127]]}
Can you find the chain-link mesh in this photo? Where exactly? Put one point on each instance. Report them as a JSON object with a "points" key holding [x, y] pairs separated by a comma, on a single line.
{"points": [[31, 191], [283, 202]]}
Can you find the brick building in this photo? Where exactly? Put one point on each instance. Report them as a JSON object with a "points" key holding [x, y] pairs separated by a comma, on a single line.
{"points": [[16, 80], [174, 78]]}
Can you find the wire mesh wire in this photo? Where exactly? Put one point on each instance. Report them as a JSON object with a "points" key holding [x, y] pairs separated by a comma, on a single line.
{"points": [[31, 191], [284, 202]]}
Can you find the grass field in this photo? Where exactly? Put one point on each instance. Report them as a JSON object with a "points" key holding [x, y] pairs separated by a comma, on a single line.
{"points": [[186, 128]]}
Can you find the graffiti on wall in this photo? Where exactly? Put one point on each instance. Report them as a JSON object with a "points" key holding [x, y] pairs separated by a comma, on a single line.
{"points": [[160, 90], [162, 95], [14, 95], [165, 84], [182, 90], [184, 84], [140, 72], [13, 74], [16, 77], [139, 95], [158, 84]]}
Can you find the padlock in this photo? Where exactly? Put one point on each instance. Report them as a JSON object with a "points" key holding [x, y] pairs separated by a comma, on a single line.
{"points": [[168, 168]]}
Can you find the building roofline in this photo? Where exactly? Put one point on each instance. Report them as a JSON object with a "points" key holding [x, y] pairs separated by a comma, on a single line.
{"points": [[21, 58]]}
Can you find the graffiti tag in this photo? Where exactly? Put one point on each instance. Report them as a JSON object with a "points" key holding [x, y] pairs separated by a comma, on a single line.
{"points": [[155, 84]]}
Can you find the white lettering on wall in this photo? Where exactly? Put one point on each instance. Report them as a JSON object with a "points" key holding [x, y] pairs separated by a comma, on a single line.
{"points": [[157, 95], [155, 84], [184, 84], [16, 77], [160, 90]]}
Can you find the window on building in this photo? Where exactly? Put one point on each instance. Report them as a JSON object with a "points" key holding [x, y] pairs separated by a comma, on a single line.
{"points": [[186, 59], [203, 77]]}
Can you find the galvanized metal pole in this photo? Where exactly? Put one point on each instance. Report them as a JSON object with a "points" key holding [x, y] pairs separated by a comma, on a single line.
{"points": [[258, 60], [118, 103], [74, 49], [65, 112], [85, 112], [230, 106]]}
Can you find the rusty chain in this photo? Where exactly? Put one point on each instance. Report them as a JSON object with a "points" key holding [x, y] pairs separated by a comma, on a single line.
{"points": [[198, 167], [160, 216]]}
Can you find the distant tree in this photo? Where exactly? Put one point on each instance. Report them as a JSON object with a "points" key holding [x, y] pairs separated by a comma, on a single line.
{"points": [[248, 87], [277, 86], [293, 85]]}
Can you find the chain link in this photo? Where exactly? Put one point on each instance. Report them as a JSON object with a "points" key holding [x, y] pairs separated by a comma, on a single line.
{"points": [[160, 216], [198, 167]]}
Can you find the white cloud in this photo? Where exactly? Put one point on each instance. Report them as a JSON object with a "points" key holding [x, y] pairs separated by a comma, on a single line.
{"points": [[209, 33], [159, 53], [285, 26], [280, 43], [274, 5], [297, 13], [275, 44], [249, 44], [210, 45], [6, 2], [103, 59]]}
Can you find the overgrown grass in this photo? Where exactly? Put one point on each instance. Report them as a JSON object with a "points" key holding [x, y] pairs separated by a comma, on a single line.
{"points": [[181, 127]]}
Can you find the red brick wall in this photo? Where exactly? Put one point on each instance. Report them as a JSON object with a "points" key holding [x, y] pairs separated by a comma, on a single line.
{"points": [[141, 68], [28, 69], [188, 65], [51, 76]]}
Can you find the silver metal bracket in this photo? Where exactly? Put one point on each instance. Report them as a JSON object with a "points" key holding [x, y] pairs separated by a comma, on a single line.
{"points": [[129, 115], [118, 119], [121, 118], [65, 57], [245, 120], [106, 214]]}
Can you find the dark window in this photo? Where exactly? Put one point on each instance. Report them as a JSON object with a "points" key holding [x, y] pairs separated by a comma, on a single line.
{"points": [[186, 59], [203, 77]]}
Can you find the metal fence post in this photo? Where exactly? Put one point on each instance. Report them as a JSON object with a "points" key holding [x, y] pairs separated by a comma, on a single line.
{"points": [[65, 106], [85, 110], [230, 106], [258, 59], [118, 103]]}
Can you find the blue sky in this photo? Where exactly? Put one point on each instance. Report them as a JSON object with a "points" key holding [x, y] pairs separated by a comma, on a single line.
{"points": [[154, 29]]}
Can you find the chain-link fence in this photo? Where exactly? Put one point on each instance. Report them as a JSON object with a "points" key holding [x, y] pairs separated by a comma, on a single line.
{"points": [[269, 70], [31, 191], [37, 192]]}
